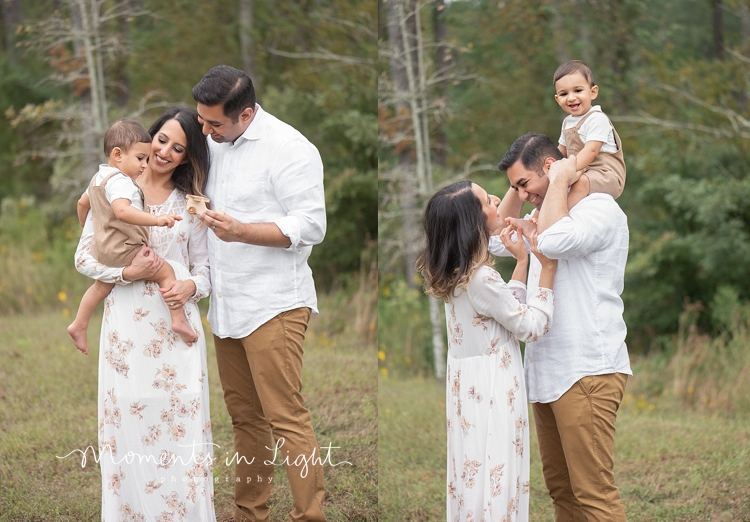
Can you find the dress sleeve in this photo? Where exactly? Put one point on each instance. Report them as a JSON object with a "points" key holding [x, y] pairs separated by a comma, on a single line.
{"points": [[87, 265], [493, 297], [198, 256]]}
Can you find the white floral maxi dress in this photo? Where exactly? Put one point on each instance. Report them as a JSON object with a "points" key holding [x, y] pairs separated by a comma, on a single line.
{"points": [[153, 389], [486, 409]]}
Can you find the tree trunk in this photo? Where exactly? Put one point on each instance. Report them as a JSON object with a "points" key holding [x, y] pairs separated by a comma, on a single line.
{"points": [[718, 24], [91, 104], [408, 196], [559, 32], [409, 76], [744, 15], [12, 15], [443, 61], [246, 41]]}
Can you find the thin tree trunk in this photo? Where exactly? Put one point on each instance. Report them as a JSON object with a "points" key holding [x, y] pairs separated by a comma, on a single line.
{"points": [[246, 41], [443, 62], [718, 25], [90, 102], [409, 75], [12, 15], [559, 33]]}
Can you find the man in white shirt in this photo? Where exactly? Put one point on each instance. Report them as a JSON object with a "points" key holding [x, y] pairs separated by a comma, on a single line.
{"points": [[268, 210], [576, 373]]}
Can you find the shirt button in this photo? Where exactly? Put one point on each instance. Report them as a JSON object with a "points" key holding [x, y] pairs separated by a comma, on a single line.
{"points": [[219, 296]]}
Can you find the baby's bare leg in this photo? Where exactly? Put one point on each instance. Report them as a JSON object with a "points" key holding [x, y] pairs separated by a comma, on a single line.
{"points": [[164, 277], [90, 300], [578, 191]]}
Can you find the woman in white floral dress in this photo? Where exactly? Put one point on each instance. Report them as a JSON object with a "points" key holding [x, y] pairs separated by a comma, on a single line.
{"points": [[154, 426], [486, 409]]}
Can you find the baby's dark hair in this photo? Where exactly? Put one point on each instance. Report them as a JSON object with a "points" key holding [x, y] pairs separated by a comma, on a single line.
{"points": [[572, 67], [124, 134]]}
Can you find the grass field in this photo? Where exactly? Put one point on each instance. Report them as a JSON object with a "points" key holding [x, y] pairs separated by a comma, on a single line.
{"points": [[671, 464], [48, 408]]}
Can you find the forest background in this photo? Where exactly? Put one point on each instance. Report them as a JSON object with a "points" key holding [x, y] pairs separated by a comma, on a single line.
{"points": [[674, 77], [68, 68]]}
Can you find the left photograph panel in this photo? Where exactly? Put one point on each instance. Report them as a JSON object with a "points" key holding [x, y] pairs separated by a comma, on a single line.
{"points": [[188, 260]]}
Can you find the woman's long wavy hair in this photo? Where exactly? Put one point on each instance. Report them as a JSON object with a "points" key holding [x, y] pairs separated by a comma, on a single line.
{"points": [[456, 240], [189, 177]]}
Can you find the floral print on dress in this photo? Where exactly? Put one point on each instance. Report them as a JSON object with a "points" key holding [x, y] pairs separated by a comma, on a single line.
{"points": [[130, 515], [496, 483], [138, 349], [471, 468], [115, 353], [455, 329], [486, 407]]}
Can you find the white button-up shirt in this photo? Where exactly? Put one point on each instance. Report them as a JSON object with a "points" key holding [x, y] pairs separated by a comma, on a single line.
{"points": [[587, 336], [270, 174]]}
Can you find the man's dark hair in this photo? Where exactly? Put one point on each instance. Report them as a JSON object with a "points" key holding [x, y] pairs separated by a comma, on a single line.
{"points": [[531, 149], [572, 67], [226, 86]]}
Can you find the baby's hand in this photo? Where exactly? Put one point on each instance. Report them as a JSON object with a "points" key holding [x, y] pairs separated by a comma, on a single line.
{"points": [[167, 220], [527, 225]]}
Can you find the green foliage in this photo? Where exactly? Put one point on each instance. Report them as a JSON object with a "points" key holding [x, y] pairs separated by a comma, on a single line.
{"points": [[330, 100], [36, 260], [404, 343]]}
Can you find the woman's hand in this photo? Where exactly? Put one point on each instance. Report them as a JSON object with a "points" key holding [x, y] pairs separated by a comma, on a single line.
{"points": [[544, 260], [177, 293], [144, 265], [518, 247]]}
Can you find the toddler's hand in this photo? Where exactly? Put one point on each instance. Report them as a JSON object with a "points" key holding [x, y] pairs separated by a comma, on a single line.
{"points": [[167, 220]]}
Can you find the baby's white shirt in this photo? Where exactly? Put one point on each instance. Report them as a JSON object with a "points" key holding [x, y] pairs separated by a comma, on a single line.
{"points": [[597, 128], [119, 186]]}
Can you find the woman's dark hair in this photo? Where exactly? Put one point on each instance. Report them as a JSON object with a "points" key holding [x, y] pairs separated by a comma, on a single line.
{"points": [[456, 238], [532, 150], [189, 177], [226, 86]]}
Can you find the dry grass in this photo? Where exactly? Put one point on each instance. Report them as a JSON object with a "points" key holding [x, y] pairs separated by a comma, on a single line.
{"points": [[48, 407]]}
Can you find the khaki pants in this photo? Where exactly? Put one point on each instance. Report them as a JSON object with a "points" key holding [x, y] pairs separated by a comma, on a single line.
{"points": [[577, 441], [261, 378]]}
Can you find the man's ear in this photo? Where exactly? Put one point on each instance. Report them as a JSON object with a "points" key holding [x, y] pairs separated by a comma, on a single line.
{"points": [[247, 114], [594, 91], [547, 162]]}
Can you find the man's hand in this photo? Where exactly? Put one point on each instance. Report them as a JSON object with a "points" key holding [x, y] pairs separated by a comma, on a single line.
{"points": [[564, 170], [230, 230], [223, 225], [144, 265]]}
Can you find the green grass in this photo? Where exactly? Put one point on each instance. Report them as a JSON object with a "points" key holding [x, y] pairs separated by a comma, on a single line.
{"points": [[672, 464], [48, 408]]}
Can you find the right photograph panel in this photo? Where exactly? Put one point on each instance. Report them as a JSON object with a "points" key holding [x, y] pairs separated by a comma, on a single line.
{"points": [[563, 253]]}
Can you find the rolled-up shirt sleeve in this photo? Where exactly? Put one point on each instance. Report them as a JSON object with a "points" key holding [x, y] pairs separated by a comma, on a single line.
{"points": [[585, 230], [87, 265], [298, 186]]}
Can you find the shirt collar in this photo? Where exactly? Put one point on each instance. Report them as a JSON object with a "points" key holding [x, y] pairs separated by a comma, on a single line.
{"points": [[257, 127]]}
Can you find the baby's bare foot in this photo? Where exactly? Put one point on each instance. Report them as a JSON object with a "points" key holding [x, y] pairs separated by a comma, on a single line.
{"points": [[186, 333], [78, 333]]}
